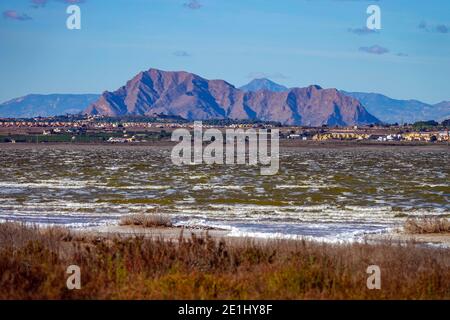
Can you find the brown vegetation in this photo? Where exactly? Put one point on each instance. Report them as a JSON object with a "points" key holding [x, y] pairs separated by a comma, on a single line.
{"points": [[33, 265], [427, 225], [146, 220]]}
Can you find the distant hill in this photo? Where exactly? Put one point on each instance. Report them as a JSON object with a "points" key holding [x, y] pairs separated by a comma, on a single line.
{"points": [[383, 107], [263, 84], [195, 98], [401, 111], [34, 105], [192, 97], [443, 110]]}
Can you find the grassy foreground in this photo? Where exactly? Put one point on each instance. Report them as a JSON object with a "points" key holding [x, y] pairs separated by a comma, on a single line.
{"points": [[33, 265]]}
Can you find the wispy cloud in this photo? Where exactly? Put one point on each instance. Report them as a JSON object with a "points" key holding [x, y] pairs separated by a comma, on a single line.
{"points": [[73, 1], [361, 31], [260, 75], [42, 3], [423, 25], [442, 28], [438, 28], [14, 15], [402, 54], [38, 3], [375, 49], [181, 53], [193, 4]]}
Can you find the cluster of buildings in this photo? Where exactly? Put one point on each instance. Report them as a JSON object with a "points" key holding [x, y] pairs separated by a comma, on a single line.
{"points": [[84, 124], [121, 140], [42, 124], [99, 125], [440, 136], [87, 124], [427, 136]]}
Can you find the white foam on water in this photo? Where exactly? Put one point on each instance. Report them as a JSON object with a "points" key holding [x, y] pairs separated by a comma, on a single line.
{"points": [[213, 186], [47, 184], [91, 198], [322, 232], [345, 237], [305, 186]]}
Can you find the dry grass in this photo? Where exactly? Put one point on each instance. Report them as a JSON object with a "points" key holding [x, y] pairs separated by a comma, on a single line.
{"points": [[427, 225], [146, 220], [33, 265]]}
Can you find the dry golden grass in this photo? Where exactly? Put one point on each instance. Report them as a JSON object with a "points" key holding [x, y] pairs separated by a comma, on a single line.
{"points": [[427, 225], [146, 220], [33, 265]]}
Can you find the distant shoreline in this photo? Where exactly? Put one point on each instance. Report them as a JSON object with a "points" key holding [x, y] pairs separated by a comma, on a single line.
{"points": [[284, 143]]}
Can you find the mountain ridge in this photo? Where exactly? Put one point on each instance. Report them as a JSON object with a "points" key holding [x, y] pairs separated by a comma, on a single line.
{"points": [[195, 98], [401, 111], [380, 106], [385, 108], [33, 105]]}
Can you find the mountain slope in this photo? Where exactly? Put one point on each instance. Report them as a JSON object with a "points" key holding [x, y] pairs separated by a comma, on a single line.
{"points": [[384, 108], [443, 110], [195, 98], [391, 110], [263, 84], [34, 105]]}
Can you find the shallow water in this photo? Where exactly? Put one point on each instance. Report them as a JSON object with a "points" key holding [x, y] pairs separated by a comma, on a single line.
{"points": [[326, 194]]}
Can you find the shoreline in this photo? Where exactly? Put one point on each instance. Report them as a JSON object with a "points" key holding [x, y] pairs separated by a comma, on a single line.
{"points": [[176, 233], [285, 144], [440, 239], [166, 233]]}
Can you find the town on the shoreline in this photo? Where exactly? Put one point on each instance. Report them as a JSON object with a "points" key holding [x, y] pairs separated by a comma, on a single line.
{"points": [[135, 129]]}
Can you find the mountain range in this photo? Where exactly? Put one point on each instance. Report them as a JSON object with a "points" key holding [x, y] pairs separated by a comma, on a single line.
{"points": [[384, 108], [401, 111], [34, 105], [195, 98]]}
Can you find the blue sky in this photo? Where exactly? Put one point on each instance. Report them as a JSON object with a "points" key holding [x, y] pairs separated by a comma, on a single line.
{"points": [[293, 42]]}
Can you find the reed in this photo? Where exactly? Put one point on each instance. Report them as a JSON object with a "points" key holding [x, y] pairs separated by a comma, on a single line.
{"points": [[427, 225], [33, 265]]}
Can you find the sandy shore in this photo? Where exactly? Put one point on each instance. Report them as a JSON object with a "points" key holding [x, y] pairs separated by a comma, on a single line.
{"points": [[171, 233], [436, 239], [174, 233]]}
